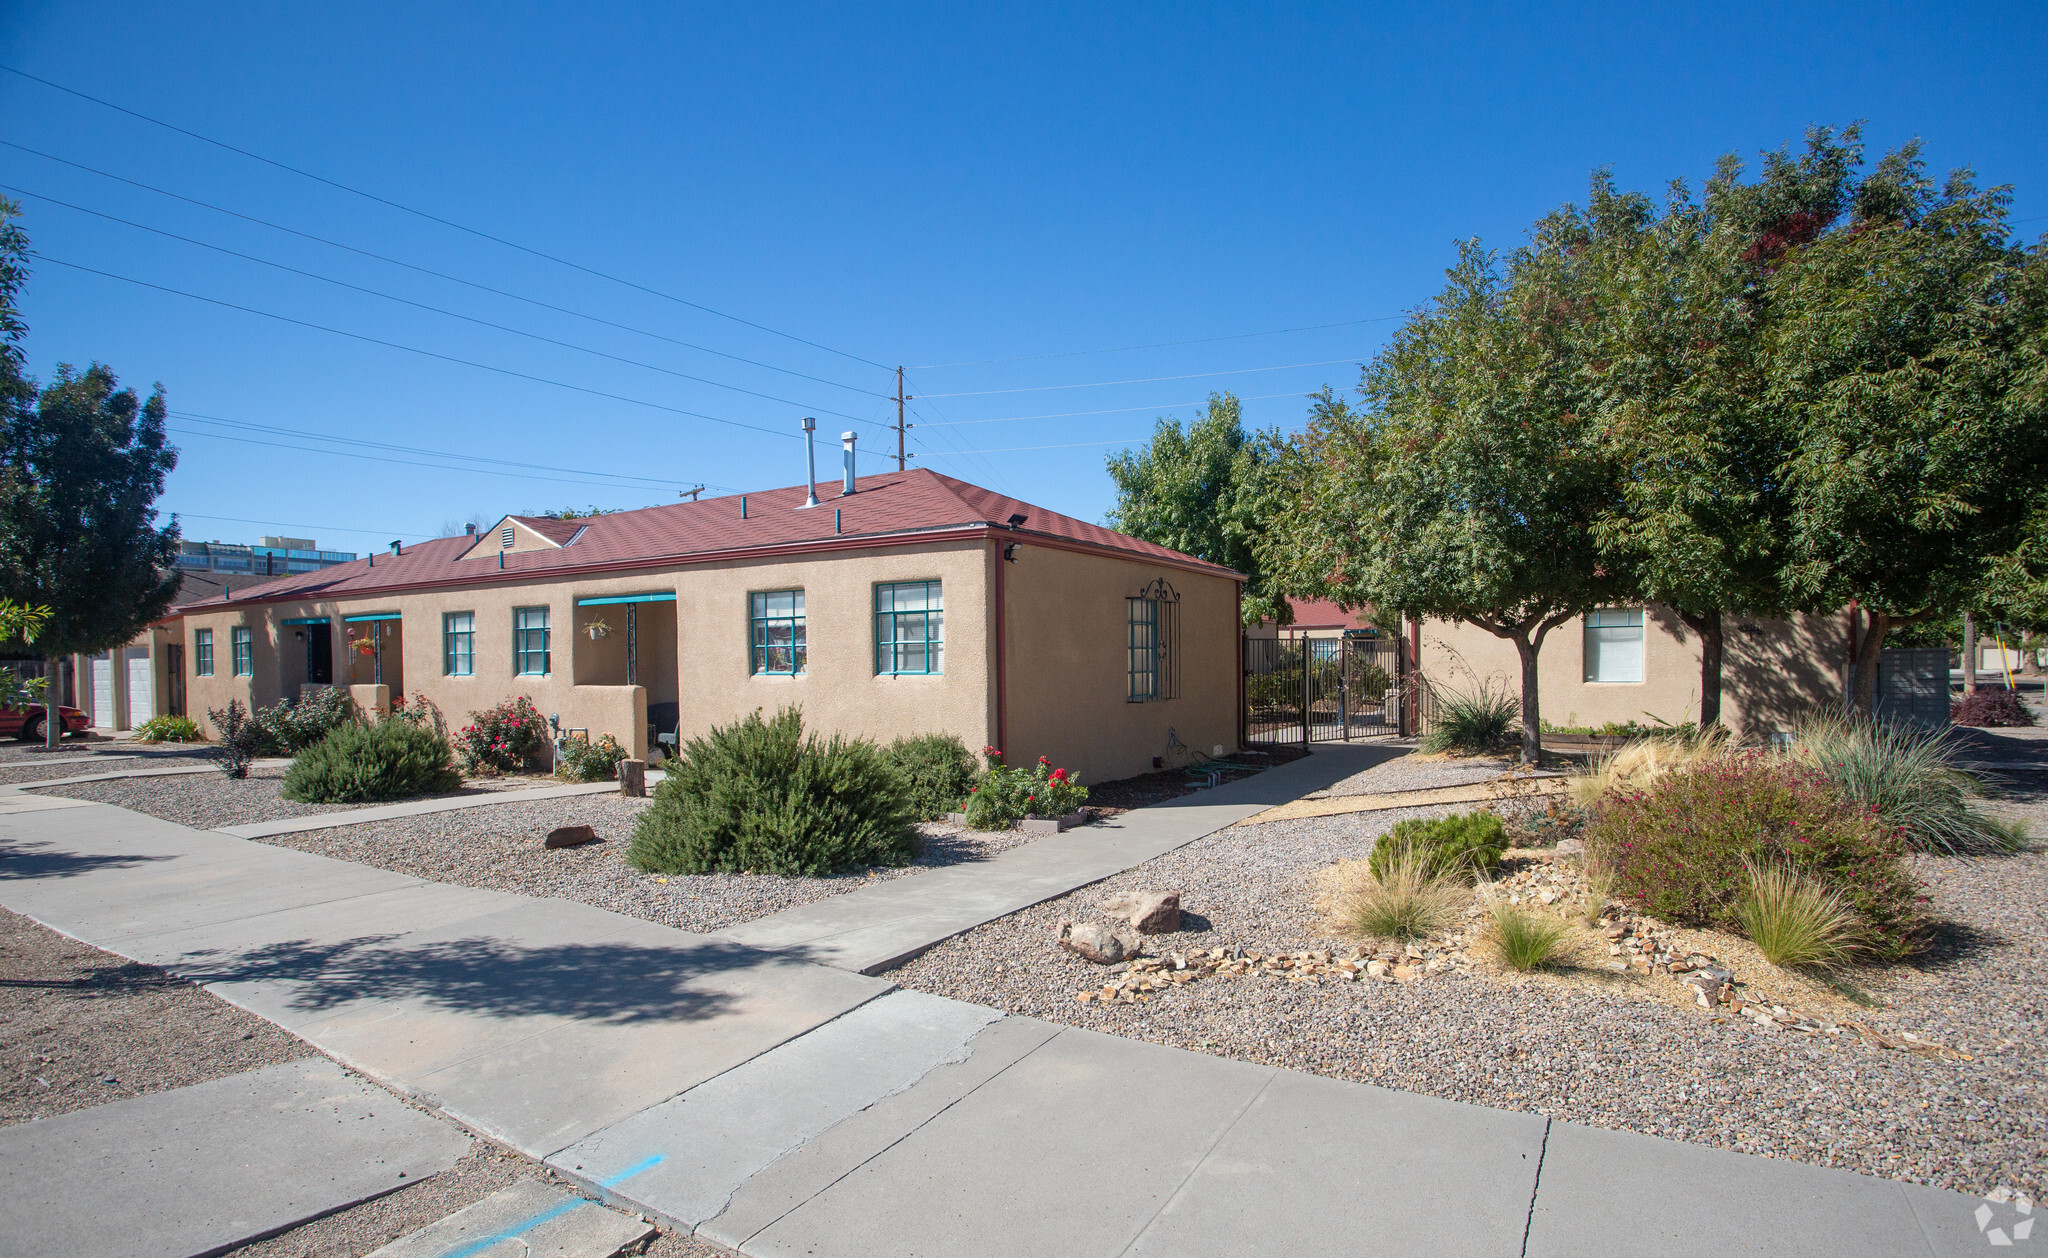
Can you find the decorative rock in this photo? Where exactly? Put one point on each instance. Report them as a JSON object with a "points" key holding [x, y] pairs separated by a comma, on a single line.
{"points": [[1375, 969], [1571, 847], [1151, 912], [570, 836], [1101, 944]]}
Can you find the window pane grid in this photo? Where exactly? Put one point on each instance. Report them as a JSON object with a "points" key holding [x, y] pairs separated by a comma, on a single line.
{"points": [[530, 641], [202, 652], [1144, 649], [909, 628], [458, 631], [243, 647], [776, 631]]}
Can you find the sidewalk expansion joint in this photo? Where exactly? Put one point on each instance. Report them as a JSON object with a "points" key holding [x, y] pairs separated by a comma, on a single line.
{"points": [[1222, 1131], [1535, 1186]]}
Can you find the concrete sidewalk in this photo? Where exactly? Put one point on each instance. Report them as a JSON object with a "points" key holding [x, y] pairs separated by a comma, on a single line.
{"points": [[781, 1107], [883, 925]]}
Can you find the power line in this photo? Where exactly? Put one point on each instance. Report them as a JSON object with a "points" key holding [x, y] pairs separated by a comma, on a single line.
{"points": [[601, 480], [285, 524], [426, 353], [1125, 349], [435, 218], [420, 305], [1115, 410], [1104, 384], [1070, 445], [439, 275]]}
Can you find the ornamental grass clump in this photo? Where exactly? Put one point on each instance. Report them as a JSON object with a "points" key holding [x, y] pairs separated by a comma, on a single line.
{"points": [[1523, 939], [937, 772], [1908, 778], [1405, 898], [364, 764], [759, 796], [1680, 848], [1477, 723], [1462, 845], [1795, 922], [1636, 765]]}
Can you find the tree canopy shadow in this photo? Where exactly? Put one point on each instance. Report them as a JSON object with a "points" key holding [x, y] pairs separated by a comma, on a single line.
{"points": [[613, 983], [21, 862]]}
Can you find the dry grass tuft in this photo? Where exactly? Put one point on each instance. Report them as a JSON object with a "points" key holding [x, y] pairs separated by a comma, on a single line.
{"points": [[1527, 939], [1408, 900], [1640, 763], [1797, 923]]}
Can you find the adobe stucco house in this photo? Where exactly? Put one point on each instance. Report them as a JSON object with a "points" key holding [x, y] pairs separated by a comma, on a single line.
{"points": [[915, 603]]}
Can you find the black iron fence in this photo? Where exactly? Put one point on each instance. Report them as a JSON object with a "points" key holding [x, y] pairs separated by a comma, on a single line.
{"points": [[1303, 690]]}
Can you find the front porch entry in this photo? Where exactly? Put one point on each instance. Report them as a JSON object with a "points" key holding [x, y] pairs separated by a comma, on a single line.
{"points": [[630, 640]]}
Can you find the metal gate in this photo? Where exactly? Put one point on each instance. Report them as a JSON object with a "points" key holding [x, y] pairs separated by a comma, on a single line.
{"points": [[1303, 690]]}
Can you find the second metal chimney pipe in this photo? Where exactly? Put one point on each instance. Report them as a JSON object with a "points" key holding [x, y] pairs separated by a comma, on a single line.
{"points": [[811, 460], [846, 440]]}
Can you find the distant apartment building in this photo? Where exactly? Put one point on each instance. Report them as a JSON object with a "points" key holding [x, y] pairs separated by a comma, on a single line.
{"points": [[270, 557]]}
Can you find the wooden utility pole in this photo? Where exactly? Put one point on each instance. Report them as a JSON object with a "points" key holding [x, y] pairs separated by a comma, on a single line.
{"points": [[901, 398]]}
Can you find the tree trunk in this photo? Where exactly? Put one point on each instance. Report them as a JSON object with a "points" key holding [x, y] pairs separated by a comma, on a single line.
{"points": [[1708, 626], [53, 696], [1865, 653], [2030, 655], [1532, 714], [1969, 654]]}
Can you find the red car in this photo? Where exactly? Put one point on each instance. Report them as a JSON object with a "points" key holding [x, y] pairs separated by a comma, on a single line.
{"points": [[27, 723]]}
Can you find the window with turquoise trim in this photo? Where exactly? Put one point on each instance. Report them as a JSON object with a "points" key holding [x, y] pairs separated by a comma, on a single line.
{"points": [[458, 643], [777, 623], [910, 623], [243, 646], [202, 652], [530, 641]]}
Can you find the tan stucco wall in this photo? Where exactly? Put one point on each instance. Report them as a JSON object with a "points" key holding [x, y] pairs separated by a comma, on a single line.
{"points": [[702, 663], [1772, 670], [1068, 631]]}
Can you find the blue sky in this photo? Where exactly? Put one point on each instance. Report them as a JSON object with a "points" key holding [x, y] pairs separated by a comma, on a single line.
{"points": [[857, 187]]}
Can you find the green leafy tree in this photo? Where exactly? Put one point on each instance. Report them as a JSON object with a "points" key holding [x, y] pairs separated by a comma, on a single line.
{"points": [[1467, 485], [82, 463], [1203, 491], [1906, 344]]}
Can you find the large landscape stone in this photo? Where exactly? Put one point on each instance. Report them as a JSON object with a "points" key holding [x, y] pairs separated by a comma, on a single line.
{"points": [[1104, 945], [1150, 912]]}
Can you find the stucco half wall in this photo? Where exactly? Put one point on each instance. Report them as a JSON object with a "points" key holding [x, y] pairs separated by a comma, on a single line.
{"points": [[1772, 670], [1066, 663]]}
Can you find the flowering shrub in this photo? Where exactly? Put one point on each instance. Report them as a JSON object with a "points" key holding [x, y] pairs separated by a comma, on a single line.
{"points": [[509, 738], [579, 760], [1005, 795], [1992, 708], [1677, 848]]}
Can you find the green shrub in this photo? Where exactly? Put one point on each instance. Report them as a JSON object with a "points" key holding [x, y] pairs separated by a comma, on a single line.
{"points": [[167, 729], [509, 738], [1992, 709], [1523, 939], [288, 727], [362, 764], [1909, 778], [1794, 921], [1679, 848], [1462, 845], [758, 796], [579, 760], [937, 771], [1486, 720]]}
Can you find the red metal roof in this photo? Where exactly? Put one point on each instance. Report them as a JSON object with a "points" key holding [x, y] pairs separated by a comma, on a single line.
{"points": [[1321, 613], [888, 508]]}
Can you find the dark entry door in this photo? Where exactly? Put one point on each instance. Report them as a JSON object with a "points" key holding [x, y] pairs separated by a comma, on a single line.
{"points": [[320, 654], [174, 679]]}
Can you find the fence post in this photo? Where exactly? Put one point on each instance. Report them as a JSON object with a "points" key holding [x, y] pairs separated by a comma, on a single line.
{"points": [[1307, 737]]}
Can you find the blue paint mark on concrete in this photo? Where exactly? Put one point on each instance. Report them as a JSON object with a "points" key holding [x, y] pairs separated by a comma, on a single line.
{"points": [[527, 1225]]}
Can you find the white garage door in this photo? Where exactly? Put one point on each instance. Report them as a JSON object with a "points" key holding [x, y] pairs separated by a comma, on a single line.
{"points": [[141, 701], [103, 690]]}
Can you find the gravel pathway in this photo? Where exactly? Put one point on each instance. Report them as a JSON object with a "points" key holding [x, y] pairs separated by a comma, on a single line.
{"points": [[1417, 773], [80, 1027], [499, 849], [1604, 1054], [43, 771]]}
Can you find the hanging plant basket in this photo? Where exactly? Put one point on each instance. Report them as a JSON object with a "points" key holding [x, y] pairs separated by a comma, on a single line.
{"points": [[597, 629]]}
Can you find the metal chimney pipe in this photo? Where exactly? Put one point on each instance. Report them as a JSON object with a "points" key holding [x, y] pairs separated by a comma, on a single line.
{"points": [[846, 440], [811, 460]]}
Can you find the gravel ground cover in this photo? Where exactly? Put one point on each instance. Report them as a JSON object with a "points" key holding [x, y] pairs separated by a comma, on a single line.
{"points": [[1107, 799], [1418, 772], [208, 801], [80, 1027], [1592, 1048], [13, 771], [498, 848]]}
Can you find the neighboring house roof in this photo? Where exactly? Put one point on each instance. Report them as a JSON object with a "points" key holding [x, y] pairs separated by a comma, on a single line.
{"points": [[196, 587], [555, 530], [1321, 613], [890, 507]]}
